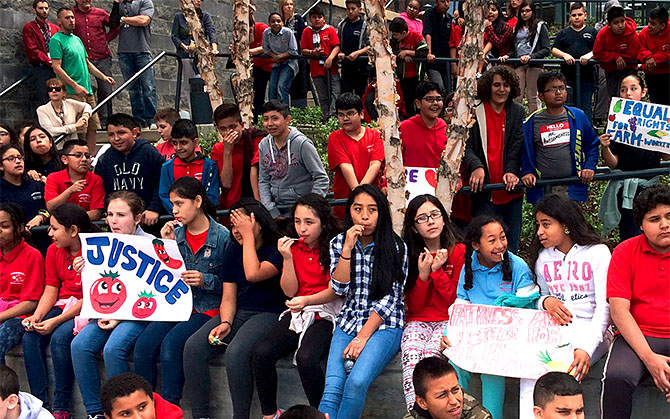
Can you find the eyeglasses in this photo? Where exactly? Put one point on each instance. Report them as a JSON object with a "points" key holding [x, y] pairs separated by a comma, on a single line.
{"points": [[80, 155], [526, 10], [55, 89], [433, 99], [348, 114], [12, 159], [555, 89], [434, 215]]}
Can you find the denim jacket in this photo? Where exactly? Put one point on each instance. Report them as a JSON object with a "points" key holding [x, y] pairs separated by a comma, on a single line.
{"points": [[207, 260]]}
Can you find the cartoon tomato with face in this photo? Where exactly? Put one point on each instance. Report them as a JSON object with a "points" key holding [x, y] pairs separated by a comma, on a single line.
{"points": [[144, 306], [162, 254], [108, 293]]}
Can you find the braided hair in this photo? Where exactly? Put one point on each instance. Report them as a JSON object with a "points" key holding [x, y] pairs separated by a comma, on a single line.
{"points": [[473, 234]]}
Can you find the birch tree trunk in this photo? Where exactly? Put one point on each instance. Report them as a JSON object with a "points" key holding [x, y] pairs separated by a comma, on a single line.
{"points": [[203, 54], [464, 101], [242, 82], [386, 107]]}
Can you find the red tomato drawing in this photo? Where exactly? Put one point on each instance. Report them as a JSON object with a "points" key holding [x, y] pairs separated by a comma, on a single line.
{"points": [[144, 306], [162, 254], [108, 293]]}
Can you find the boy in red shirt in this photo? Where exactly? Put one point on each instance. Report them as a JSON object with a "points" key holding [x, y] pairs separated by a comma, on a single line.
{"points": [[236, 155], [188, 162], [320, 39], [129, 395], [76, 183], [262, 69], [355, 153], [655, 50], [407, 44], [616, 47], [164, 119], [638, 291]]}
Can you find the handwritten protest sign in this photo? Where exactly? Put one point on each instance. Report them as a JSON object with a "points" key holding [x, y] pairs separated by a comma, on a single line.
{"points": [[128, 277], [419, 181], [506, 341], [640, 124]]}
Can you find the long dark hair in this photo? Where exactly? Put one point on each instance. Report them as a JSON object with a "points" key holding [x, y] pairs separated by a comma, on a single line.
{"points": [[5, 148], [330, 225], [13, 138], [18, 218], [389, 247], [500, 22], [532, 23], [69, 215], [33, 161], [269, 231], [415, 243], [567, 212], [189, 188], [473, 234]]}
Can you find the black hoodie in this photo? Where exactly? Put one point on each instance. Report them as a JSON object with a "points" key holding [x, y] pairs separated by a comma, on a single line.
{"points": [[139, 171]]}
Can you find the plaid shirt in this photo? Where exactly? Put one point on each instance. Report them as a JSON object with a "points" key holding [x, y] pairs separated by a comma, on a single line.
{"points": [[358, 307]]}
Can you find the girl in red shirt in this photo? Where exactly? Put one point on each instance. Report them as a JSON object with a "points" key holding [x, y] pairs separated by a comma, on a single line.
{"points": [[61, 301], [435, 262], [307, 325], [21, 276]]}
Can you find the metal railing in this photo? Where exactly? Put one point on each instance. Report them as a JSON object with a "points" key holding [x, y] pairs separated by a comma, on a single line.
{"points": [[14, 85]]}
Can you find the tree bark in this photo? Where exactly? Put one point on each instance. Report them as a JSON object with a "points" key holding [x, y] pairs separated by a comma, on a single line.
{"points": [[203, 54], [464, 102], [386, 107], [243, 81]]}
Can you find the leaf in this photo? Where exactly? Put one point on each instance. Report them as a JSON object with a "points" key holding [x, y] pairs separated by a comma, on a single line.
{"points": [[617, 106]]}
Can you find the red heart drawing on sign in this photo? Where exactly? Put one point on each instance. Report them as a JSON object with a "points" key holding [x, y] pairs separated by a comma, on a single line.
{"points": [[431, 178]]}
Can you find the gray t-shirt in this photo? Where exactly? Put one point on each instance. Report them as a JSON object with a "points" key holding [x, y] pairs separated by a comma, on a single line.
{"points": [[551, 137], [135, 38], [522, 43]]}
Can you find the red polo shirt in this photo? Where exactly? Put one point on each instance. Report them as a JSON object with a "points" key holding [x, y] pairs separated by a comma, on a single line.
{"points": [[90, 27], [59, 272], [641, 275], [329, 40], [22, 274], [167, 150], [192, 168], [92, 197], [312, 278]]}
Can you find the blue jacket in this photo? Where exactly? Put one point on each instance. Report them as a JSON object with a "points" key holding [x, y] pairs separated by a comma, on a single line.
{"points": [[208, 260], [210, 180], [583, 145]]}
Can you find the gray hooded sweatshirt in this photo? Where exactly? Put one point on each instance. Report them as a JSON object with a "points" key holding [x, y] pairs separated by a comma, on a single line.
{"points": [[287, 174], [31, 407]]}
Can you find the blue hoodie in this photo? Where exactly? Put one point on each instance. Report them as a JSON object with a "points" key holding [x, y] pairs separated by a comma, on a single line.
{"points": [[210, 180], [138, 171], [583, 146]]}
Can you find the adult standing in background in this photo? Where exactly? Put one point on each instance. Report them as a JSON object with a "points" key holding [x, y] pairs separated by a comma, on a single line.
{"points": [[36, 36], [135, 16], [93, 28], [437, 31], [300, 85], [183, 41]]}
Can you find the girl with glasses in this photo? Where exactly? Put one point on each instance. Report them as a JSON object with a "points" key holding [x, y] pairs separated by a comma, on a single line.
{"points": [[63, 116]]}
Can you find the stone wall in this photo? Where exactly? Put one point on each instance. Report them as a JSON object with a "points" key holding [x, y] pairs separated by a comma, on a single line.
{"points": [[14, 14]]}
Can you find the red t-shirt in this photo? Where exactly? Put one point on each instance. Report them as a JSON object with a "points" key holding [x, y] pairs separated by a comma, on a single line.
{"points": [[192, 168], [59, 272], [22, 274], [244, 152], [429, 301], [312, 278], [641, 275], [495, 132], [455, 37], [512, 21], [92, 197], [264, 64], [329, 40], [344, 149], [422, 146], [411, 42], [196, 241]]}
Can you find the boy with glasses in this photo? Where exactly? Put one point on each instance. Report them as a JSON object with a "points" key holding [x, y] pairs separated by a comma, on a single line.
{"points": [[559, 142], [76, 183]]}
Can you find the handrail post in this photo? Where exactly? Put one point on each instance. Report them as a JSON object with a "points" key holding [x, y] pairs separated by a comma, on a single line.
{"points": [[180, 73]]}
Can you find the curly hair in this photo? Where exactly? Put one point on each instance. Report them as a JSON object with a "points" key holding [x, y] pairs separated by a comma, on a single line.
{"points": [[486, 81]]}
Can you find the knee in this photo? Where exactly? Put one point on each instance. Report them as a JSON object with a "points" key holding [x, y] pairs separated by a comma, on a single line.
{"points": [[307, 361], [80, 347], [114, 350], [358, 384]]}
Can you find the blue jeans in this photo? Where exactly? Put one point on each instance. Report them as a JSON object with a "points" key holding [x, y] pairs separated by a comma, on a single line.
{"points": [[280, 82], [493, 390], [344, 396], [143, 97], [117, 344], [147, 350], [11, 332], [35, 357]]}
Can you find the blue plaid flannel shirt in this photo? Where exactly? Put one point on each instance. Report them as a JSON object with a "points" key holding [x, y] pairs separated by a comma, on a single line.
{"points": [[357, 306]]}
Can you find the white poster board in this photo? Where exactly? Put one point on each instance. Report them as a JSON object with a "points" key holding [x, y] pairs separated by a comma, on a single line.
{"points": [[419, 181], [639, 124], [506, 341], [128, 277]]}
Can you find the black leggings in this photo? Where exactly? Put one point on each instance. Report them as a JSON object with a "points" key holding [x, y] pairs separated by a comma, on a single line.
{"points": [[279, 342]]}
